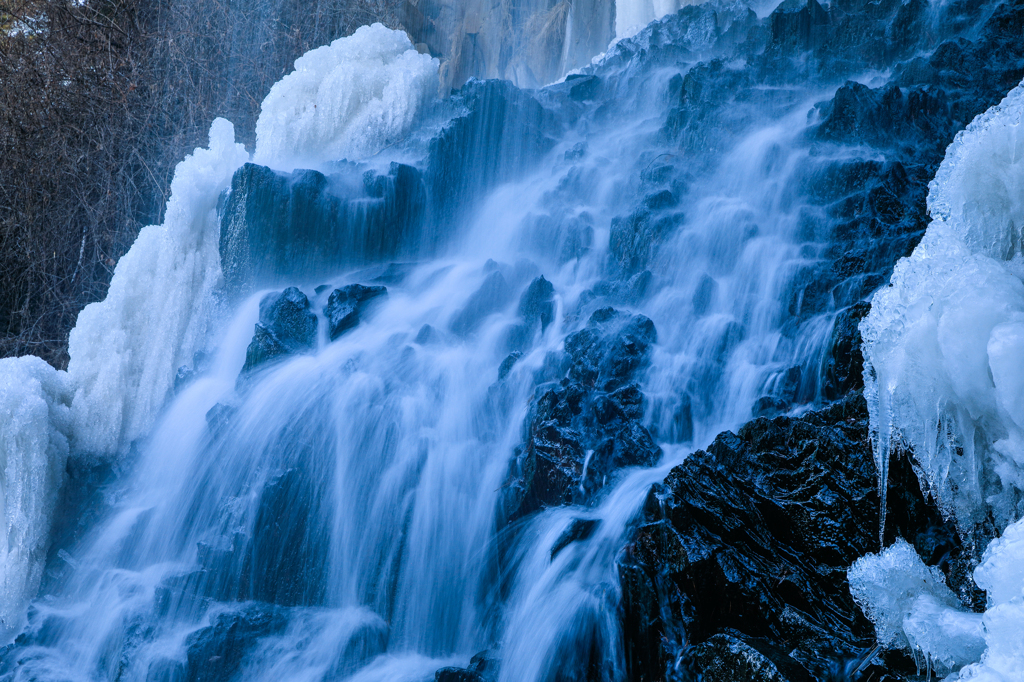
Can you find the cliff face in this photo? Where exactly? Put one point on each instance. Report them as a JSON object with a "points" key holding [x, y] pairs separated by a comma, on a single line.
{"points": [[736, 568]]}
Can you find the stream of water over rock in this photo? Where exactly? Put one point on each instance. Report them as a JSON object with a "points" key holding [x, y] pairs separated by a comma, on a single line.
{"points": [[485, 325]]}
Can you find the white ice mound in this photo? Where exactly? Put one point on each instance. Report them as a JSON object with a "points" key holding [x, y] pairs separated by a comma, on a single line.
{"points": [[944, 343], [1001, 574], [911, 607], [126, 349], [944, 374], [346, 100], [34, 428]]}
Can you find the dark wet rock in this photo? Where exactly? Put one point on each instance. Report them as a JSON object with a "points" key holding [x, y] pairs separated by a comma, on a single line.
{"points": [[634, 238], [286, 560], [483, 667], [578, 151], [753, 537], [183, 377], [493, 295], [346, 306], [508, 363], [215, 652], [537, 303], [728, 658], [276, 225], [704, 295], [84, 500], [769, 406], [582, 430], [287, 326], [427, 335], [582, 87], [579, 529], [844, 363], [218, 416], [452, 674], [536, 311], [186, 374]]}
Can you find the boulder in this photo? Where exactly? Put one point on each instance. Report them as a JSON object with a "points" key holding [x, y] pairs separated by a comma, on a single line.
{"points": [[347, 304], [583, 429], [287, 326], [215, 652]]}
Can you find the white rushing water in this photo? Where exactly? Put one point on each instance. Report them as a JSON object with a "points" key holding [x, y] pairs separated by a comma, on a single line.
{"points": [[358, 486]]}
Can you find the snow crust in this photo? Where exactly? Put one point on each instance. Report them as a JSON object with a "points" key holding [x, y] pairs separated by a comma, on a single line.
{"points": [[35, 423], [944, 375], [126, 349], [346, 100]]}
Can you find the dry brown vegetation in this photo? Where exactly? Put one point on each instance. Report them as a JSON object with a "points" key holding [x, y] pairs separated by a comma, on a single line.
{"points": [[99, 99]]}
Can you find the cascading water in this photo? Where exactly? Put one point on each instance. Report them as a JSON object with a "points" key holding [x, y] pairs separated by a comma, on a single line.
{"points": [[337, 497]]}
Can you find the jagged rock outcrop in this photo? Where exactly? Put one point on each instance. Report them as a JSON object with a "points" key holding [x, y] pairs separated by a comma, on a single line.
{"points": [[751, 539], [347, 305], [581, 430], [287, 326], [275, 225]]}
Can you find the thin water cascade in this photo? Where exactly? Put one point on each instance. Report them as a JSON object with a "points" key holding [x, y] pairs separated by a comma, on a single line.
{"points": [[356, 488]]}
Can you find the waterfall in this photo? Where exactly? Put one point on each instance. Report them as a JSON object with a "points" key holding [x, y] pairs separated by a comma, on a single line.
{"points": [[386, 397]]}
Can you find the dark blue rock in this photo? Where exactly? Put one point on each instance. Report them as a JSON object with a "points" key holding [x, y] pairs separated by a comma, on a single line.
{"points": [[346, 306], [287, 326]]}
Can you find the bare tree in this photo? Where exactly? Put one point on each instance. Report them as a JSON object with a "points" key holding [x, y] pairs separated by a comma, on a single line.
{"points": [[99, 99]]}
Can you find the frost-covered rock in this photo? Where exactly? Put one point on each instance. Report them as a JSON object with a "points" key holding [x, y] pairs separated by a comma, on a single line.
{"points": [[35, 425], [346, 100], [125, 349]]}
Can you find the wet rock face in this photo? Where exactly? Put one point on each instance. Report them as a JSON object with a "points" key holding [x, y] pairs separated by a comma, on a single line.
{"points": [[752, 538], [215, 652], [347, 304], [275, 225], [586, 427], [287, 326]]}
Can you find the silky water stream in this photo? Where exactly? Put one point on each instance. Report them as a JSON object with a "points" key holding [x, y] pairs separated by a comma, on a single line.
{"points": [[340, 514]]}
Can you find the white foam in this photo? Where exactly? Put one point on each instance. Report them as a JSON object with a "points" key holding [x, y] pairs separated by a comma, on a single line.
{"points": [[125, 349], [34, 430], [346, 100]]}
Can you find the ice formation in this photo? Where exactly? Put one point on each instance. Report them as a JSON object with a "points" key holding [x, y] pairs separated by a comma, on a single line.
{"points": [[346, 100], [34, 429], [943, 341], [125, 349], [943, 346], [911, 607]]}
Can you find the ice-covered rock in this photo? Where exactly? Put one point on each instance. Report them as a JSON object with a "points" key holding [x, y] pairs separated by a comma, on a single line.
{"points": [[346, 100], [942, 347], [942, 342], [35, 425], [125, 349]]}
